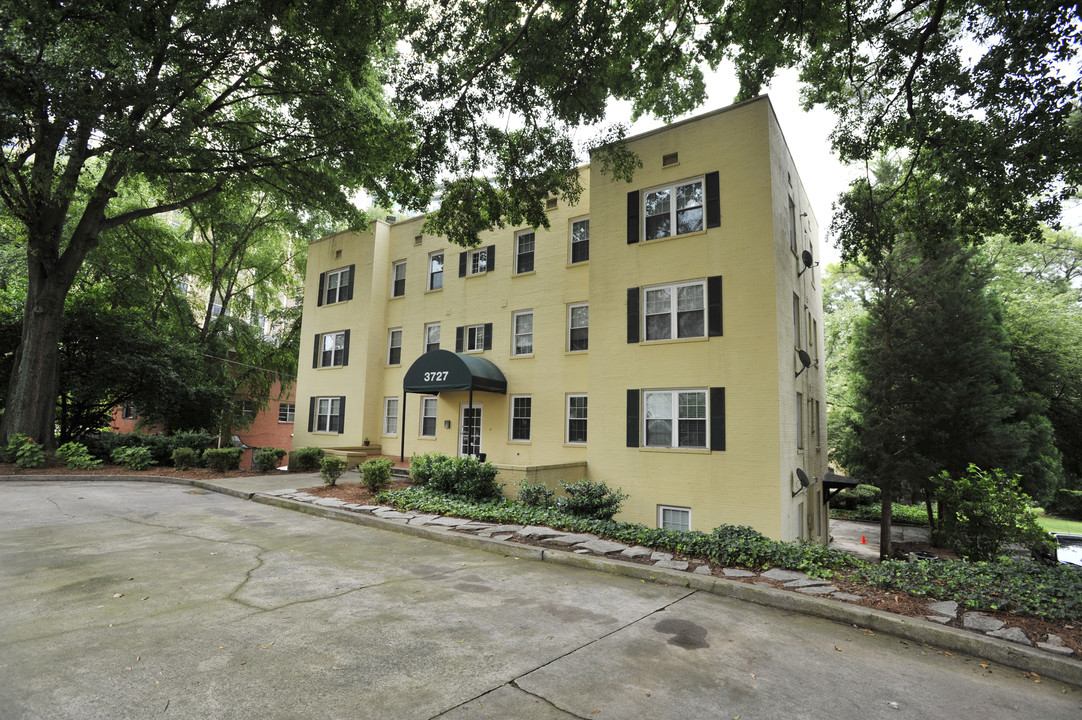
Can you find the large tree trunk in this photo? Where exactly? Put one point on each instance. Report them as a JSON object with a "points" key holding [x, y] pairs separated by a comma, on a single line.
{"points": [[34, 385], [885, 547]]}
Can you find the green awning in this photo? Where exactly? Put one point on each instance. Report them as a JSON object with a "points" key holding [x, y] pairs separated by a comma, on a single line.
{"points": [[442, 371]]}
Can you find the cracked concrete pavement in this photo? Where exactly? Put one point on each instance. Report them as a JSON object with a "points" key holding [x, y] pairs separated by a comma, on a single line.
{"points": [[127, 599]]}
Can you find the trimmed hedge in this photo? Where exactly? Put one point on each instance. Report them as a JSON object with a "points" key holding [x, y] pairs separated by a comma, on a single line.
{"points": [[222, 459], [161, 447]]}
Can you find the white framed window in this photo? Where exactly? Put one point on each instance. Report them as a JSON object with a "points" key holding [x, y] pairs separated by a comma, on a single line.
{"points": [[394, 346], [578, 327], [390, 416], [328, 414], [675, 418], [432, 337], [800, 421], [128, 412], [524, 251], [673, 209], [796, 321], [286, 412], [435, 271], [576, 419], [334, 288], [398, 279], [673, 518], [816, 424], [478, 261], [521, 415], [675, 311], [522, 342], [428, 417], [475, 338], [332, 349], [792, 226], [580, 240]]}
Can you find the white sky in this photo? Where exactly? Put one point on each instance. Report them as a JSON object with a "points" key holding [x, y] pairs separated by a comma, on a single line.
{"points": [[806, 133]]}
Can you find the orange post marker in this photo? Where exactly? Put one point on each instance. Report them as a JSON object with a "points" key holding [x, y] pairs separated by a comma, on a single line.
{"points": [[863, 541]]}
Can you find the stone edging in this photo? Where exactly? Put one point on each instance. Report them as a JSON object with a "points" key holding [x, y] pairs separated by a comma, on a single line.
{"points": [[809, 597]]}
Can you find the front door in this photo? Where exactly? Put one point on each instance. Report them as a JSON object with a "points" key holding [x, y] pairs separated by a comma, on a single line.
{"points": [[470, 434]]}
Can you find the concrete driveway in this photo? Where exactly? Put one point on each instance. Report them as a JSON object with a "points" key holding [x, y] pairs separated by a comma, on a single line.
{"points": [[133, 600]]}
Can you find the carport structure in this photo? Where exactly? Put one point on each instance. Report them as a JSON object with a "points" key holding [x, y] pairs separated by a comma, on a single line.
{"points": [[444, 371]]}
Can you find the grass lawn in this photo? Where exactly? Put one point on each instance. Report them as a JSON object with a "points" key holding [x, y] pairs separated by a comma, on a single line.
{"points": [[1054, 524]]}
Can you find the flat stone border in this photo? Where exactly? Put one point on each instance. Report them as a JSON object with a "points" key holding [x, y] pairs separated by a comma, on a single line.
{"points": [[787, 590]]}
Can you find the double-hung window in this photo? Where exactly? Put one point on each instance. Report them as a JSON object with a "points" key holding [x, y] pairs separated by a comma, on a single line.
{"points": [[328, 414], [800, 421], [435, 271], [578, 327], [521, 411], [286, 412], [673, 209], [475, 338], [333, 349], [398, 279], [792, 226], [580, 240], [523, 335], [576, 419], [675, 311], [478, 261], [394, 347], [675, 418], [432, 337], [524, 247], [390, 416], [428, 417], [335, 285]]}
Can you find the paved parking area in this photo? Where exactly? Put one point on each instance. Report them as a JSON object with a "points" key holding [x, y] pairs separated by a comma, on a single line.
{"points": [[132, 600]]}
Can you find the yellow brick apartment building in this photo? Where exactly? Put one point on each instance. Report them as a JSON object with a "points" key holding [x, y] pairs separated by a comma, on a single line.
{"points": [[662, 336]]}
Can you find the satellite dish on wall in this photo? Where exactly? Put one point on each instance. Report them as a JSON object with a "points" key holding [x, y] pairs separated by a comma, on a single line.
{"points": [[803, 478], [808, 260], [805, 360]]}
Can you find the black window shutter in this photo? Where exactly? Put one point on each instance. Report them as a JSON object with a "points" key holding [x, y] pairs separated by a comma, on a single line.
{"points": [[717, 418], [460, 331], [311, 413], [315, 353], [632, 217], [713, 306], [713, 199], [488, 336], [345, 350], [349, 285], [490, 259], [633, 315], [632, 418], [341, 414], [462, 264], [322, 280]]}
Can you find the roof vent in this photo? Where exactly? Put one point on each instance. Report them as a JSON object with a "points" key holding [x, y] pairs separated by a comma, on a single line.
{"points": [[670, 159], [550, 204], [417, 239]]}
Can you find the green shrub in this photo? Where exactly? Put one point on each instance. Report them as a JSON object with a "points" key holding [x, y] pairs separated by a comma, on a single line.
{"points": [[903, 514], [305, 459], [538, 495], [137, 458], [987, 511], [331, 468], [16, 441], [464, 477], [590, 499], [185, 457], [376, 473], [222, 459], [77, 457], [423, 467], [28, 454], [1067, 504], [161, 447], [267, 459], [859, 496]]}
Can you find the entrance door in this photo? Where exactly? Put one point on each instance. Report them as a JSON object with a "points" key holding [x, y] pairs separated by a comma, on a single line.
{"points": [[469, 435]]}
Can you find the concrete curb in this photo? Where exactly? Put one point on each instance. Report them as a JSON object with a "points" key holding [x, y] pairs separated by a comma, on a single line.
{"points": [[1003, 652]]}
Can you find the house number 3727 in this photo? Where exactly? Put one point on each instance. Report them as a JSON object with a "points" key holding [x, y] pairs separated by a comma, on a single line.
{"points": [[437, 375]]}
